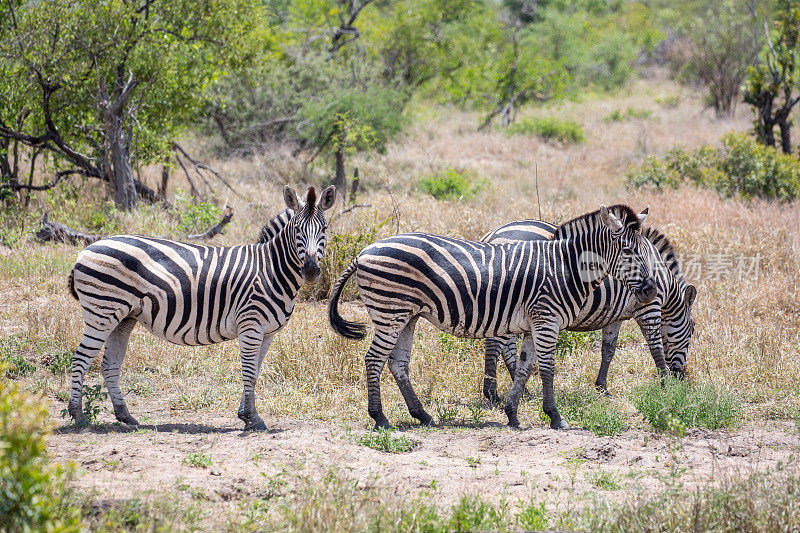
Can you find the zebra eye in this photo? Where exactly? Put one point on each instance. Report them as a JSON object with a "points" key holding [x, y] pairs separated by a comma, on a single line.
{"points": [[627, 250]]}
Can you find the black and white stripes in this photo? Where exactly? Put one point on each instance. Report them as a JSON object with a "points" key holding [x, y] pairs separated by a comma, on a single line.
{"points": [[665, 322], [195, 295], [478, 290]]}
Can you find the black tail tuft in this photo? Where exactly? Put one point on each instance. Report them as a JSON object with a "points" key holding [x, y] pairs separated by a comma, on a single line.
{"points": [[71, 284], [345, 328]]}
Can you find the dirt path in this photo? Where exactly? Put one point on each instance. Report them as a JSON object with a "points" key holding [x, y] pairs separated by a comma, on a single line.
{"points": [[448, 462]]}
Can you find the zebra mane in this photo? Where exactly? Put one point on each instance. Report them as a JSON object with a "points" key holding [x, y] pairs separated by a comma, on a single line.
{"points": [[666, 250], [625, 214], [274, 225]]}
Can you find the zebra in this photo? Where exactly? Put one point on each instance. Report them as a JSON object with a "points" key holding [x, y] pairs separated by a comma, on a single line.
{"points": [[480, 290], [666, 322], [195, 295]]}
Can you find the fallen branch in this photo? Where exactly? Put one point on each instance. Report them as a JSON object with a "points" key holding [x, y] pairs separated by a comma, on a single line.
{"points": [[216, 229], [56, 232]]}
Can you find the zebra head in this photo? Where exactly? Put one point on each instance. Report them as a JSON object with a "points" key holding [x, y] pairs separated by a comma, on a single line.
{"points": [[309, 226], [629, 258], [677, 329]]}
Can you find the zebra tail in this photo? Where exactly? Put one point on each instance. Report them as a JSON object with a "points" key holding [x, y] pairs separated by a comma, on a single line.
{"points": [[345, 328], [71, 284]]}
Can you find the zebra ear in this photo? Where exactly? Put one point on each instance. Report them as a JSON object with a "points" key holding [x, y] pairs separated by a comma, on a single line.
{"points": [[643, 215], [689, 295], [327, 199], [290, 197], [609, 219]]}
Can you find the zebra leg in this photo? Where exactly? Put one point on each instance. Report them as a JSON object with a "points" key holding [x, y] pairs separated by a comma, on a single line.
{"points": [[545, 342], [522, 373], [607, 350], [398, 364], [253, 346], [494, 347], [650, 324], [509, 352], [116, 346], [382, 346], [92, 342]]}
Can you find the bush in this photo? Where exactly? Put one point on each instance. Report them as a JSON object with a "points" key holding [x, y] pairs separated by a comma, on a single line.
{"points": [[33, 494], [590, 410], [549, 129], [450, 185], [740, 168], [194, 216], [677, 405], [629, 114]]}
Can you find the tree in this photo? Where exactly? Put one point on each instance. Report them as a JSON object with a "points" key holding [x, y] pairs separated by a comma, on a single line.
{"points": [[99, 86], [771, 86], [720, 52]]}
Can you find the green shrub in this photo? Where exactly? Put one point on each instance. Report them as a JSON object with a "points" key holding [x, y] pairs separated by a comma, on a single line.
{"points": [[193, 215], [472, 513], [570, 341], [628, 114], [591, 410], [93, 398], [669, 101], [34, 496], [549, 129], [16, 366], [451, 184], [384, 440], [198, 460], [677, 405], [533, 517], [741, 167]]}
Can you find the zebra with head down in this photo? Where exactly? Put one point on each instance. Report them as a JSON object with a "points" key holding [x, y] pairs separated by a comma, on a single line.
{"points": [[195, 295], [666, 322], [481, 290]]}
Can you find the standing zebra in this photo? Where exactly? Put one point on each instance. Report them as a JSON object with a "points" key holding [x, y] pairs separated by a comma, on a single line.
{"points": [[666, 322], [480, 290], [195, 295]]}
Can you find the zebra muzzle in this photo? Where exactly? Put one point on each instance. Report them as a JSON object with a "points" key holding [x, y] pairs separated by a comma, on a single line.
{"points": [[310, 270]]}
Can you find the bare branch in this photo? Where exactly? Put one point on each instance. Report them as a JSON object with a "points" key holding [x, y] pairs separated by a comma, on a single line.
{"points": [[216, 229]]}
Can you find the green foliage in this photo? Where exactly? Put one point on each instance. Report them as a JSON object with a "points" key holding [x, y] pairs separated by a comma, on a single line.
{"points": [[194, 215], [59, 363], [164, 513], [385, 440], [550, 129], [93, 398], [472, 513], [571, 341], [15, 365], [34, 496], [591, 410], [677, 405], [628, 114], [603, 480], [670, 101], [533, 517], [198, 460], [741, 168], [451, 184]]}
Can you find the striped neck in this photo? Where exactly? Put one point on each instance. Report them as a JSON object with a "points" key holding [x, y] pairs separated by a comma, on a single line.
{"points": [[586, 252], [284, 260]]}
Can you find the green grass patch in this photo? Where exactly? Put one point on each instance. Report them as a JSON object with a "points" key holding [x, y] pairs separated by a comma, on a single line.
{"points": [[591, 410], [604, 480], [629, 114], [549, 129], [198, 460], [451, 184], [385, 440], [679, 404]]}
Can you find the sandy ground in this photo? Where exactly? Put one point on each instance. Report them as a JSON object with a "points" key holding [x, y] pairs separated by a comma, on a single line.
{"points": [[494, 461]]}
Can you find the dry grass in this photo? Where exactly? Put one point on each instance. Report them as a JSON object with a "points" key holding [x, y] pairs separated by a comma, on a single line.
{"points": [[748, 333]]}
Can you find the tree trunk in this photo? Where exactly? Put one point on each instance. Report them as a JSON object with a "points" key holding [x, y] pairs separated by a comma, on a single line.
{"points": [[340, 179], [125, 195], [786, 141], [769, 134]]}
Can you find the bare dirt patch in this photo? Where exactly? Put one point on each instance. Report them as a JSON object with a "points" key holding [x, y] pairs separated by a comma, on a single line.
{"points": [[117, 462]]}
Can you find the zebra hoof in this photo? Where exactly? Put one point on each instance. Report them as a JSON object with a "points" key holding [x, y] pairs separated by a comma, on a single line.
{"points": [[427, 422], [559, 424], [383, 424], [123, 415], [78, 418], [255, 425]]}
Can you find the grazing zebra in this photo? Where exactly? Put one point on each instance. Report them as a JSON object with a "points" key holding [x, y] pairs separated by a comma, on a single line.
{"points": [[195, 295], [481, 290], [666, 321]]}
